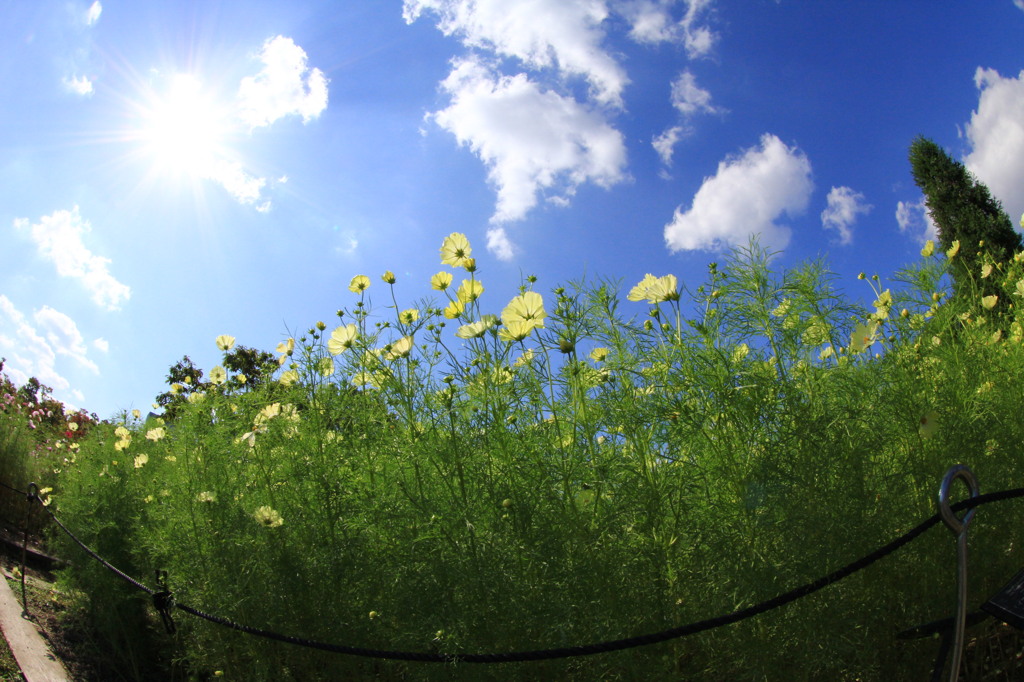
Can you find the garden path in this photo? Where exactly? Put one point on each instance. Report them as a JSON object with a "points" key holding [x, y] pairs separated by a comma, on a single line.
{"points": [[37, 662]]}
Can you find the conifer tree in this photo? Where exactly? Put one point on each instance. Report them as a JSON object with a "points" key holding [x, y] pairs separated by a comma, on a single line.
{"points": [[963, 210]]}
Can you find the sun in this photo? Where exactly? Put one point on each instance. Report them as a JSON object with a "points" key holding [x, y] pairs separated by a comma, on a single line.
{"points": [[184, 128]]}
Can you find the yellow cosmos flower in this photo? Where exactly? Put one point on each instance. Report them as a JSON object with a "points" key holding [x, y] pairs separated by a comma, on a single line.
{"points": [[666, 288], [954, 249], [289, 377], [122, 432], [441, 280], [599, 354], [268, 413], [454, 309], [655, 289], [863, 336], [135, 413], [388, 277], [989, 302], [225, 342], [929, 424], [207, 497], [364, 378], [286, 347], [639, 292], [741, 351], [516, 330], [342, 339], [141, 460], [477, 329], [469, 290], [409, 316], [400, 348], [525, 358], [929, 249], [527, 307], [986, 270], [325, 366], [268, 517], [359, 284], [455, 250], [156, 434], [218, 375]]}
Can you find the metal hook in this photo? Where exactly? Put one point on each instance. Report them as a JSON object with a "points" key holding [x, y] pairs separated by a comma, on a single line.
{"points": [[958, 526], [163, 601]]}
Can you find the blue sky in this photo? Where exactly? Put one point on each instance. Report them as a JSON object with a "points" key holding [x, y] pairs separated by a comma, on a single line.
{"points": [[173, 171]]}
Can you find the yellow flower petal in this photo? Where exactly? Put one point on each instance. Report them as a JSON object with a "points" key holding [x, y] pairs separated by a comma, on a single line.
{"points": [[440, 281], [400, 348], [359, 284], [455, 250], [342, 339], [527, 307], [469, 290], [454, 309]]}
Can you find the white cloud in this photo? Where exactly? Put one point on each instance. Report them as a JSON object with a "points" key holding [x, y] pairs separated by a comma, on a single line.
{"points": [[80, 85], [499, 244], [565, 34], [62, 335], [915, 219], [92, 15], [243, 187], [665, 143], [844, 205], [996, 136], [651, 22], [59, 239], [530, 139], [689, 99], [285, 86], [102, 345], [28, 354], [746, 197], [1019, 4]]}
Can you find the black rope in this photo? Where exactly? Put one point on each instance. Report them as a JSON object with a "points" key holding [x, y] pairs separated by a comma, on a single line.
{"points": [[109, 566], [13, 490], [586, 649]]}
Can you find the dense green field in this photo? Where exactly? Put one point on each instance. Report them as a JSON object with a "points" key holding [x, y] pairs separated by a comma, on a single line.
{"points": [[469, 473]]}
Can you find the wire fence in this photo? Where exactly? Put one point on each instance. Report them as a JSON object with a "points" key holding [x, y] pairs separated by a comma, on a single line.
{"points": [[165, 603]]}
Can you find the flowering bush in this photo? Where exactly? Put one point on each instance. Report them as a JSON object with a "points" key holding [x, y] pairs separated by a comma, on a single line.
{"points": [[543, 469]]}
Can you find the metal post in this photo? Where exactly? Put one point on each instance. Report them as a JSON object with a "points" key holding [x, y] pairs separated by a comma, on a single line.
{"points": [[959, 529]]}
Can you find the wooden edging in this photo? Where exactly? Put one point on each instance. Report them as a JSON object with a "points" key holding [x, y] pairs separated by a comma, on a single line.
{"points": [[34, 657]]}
